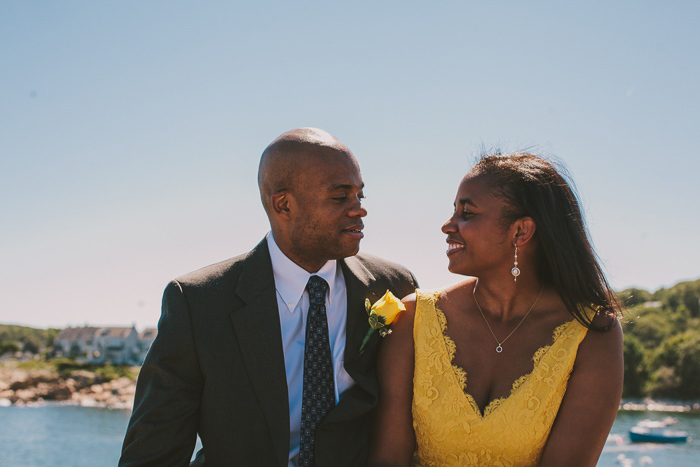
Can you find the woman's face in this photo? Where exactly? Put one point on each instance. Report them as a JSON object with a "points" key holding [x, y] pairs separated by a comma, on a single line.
{"points": [[478, 243]]}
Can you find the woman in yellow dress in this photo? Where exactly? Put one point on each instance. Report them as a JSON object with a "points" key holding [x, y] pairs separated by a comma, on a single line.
{"points": [[521, 363]]}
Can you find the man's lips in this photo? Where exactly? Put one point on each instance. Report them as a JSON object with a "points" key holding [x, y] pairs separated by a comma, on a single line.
{"points": [[355, 231]]}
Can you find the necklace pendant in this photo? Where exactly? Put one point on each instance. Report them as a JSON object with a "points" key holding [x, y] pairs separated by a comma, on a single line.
{"points": [[499, 349]]}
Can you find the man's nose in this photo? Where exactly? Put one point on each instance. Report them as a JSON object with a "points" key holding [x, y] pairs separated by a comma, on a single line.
{"points": [[358, 211]]}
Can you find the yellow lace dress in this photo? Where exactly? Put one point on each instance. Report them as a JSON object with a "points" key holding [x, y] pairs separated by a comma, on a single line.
{"points": [[449, 427]]}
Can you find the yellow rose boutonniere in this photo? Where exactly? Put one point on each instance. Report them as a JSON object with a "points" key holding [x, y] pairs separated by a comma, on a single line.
{"points": [[381, 315]]}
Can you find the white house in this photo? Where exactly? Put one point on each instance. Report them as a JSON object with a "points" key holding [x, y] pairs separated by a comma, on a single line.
{"points": [[116, 345], [74, 342], [146, 338]]}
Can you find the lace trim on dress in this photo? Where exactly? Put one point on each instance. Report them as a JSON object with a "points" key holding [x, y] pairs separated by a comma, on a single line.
{"points": [[450, 431], [461, 374]]}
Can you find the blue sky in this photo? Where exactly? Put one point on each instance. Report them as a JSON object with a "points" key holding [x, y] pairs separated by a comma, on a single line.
{"points": [[130, 132]]}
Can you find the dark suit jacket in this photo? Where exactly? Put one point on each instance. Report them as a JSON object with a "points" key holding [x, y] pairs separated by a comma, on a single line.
{"points": [[217, 368]]}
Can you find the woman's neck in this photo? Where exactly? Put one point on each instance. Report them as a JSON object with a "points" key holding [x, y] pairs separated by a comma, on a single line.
{"points": [[505, 299]]}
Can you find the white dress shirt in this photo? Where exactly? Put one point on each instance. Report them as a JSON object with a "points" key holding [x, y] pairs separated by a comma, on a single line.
{"points": [[293, 304]]}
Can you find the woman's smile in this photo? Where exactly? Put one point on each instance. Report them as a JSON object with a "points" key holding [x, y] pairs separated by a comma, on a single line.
{"points": [[453, 247]]}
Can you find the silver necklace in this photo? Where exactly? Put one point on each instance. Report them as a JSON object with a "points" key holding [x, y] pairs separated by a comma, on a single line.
{"points": [[499, 344]]}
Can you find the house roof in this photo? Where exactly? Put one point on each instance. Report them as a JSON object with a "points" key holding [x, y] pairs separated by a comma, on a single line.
{"points": [[114, 332], [148, 333], [76, 334]]}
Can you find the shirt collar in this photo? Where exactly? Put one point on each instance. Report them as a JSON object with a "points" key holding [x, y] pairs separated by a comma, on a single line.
{"points": [[291, 279]]}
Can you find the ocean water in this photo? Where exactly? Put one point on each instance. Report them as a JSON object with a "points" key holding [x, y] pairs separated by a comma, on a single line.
{"points": [[639, 454], [59, 435]]}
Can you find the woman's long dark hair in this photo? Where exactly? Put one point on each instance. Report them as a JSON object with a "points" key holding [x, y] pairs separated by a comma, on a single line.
{"points": [[532, 186]]}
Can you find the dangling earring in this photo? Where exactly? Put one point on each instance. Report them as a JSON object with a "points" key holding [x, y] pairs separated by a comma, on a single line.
{"points": [[515, 271]]}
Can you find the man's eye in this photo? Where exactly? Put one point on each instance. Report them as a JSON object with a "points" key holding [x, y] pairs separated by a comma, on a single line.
{"points": [[465, 214], [339, 198]]}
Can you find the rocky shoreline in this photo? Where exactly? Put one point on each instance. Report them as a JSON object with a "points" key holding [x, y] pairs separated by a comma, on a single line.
{"points": [[22, 387]]}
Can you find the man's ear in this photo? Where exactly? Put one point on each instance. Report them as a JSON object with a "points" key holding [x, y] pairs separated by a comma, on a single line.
{"points": [[525, 228], [281, 204]]}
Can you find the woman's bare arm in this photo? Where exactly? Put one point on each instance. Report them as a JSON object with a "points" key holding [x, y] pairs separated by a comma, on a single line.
{"points": [[590, 404], [392, 439]]}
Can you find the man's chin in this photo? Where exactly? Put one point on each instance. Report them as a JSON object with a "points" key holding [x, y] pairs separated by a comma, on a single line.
{"points": [[349, 251]]}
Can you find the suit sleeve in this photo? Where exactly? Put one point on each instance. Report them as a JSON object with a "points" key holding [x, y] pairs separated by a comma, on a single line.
{"points": [[163, 427], [407, 284], [414, 282]]}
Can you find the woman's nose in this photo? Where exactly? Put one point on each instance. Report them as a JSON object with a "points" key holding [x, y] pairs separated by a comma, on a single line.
{"points": [[449, 226]]}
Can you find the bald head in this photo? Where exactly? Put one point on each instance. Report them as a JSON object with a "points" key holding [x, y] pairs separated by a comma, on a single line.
{"points": [[312, 190], [291, 155]]}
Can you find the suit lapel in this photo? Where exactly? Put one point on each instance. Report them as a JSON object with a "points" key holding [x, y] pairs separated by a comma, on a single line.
{"points": [[258, 334], [357, 281], [362, 396]]}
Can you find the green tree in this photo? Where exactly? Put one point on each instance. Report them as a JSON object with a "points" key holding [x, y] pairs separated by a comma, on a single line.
{"points": [[650, 325], [664, 383], [51, 334], [8, 347], [675, 367], [636, 374], [633, 296], [688, 365], [690, 296], [30, 346], [660, 295]]}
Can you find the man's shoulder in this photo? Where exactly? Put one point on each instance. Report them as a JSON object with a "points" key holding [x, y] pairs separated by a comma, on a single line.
{"points": [[381, 266], [224, 271], [212, 272]]}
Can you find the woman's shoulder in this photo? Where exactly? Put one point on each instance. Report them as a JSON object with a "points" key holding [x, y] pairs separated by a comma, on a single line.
{"points": [[451, 292], [436, 298], [607, 338], [600, 353], [454, 295]]}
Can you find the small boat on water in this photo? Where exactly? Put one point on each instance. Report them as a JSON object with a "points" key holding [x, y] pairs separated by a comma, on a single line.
{"points": [[648, 431]]}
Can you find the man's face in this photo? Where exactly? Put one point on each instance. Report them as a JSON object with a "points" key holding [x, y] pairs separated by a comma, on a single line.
{"points": [[327, 222]]}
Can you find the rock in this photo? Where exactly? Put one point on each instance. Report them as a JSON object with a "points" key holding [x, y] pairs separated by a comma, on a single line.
{"points": [[23, 395], [128, 390], [88, 402], [20, 385], [112, 401], [84, 378], [43, 388], [121, 383], [70, 382], [26, 387], [102, 396], [59, 393]]}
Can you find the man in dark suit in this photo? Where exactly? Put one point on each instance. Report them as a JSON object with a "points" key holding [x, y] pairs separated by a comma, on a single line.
{"points": [[235, 361]]}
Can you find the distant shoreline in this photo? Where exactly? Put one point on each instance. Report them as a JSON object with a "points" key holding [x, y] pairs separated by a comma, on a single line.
{"points": [[34, 386], [30, 387], [649, 405]]}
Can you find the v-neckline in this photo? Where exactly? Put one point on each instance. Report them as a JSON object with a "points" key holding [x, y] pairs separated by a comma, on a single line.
{"points": [[460, 374]]}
